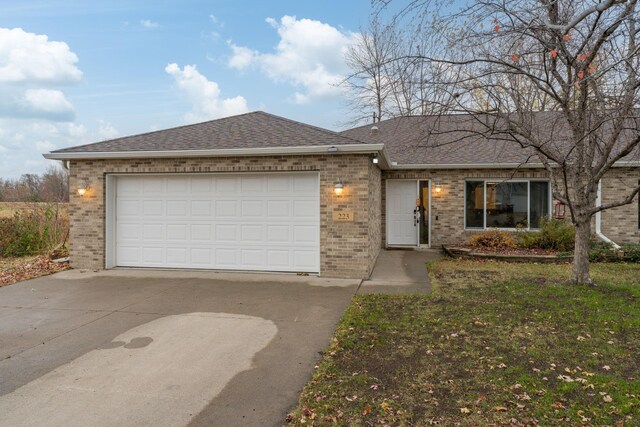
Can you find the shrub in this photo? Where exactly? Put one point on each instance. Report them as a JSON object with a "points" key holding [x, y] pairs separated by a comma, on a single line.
{"points": [[603, 252], [493, 239], [553, 234], [33, 230]]}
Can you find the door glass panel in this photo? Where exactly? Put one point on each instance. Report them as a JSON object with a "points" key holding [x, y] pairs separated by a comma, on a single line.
{"points": [[424, 212]]}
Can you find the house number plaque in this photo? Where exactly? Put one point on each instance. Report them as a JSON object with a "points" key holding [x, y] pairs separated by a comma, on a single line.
{"points": [[343, 216]]}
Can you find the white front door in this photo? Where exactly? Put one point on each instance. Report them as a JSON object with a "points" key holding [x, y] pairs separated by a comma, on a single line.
{"points": [[402, 227]]}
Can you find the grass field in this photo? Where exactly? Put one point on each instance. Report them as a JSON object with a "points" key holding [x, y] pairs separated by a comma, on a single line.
{"points": [[496, 344]]}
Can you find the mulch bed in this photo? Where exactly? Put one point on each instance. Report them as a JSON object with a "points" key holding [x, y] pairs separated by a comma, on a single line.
{"points": [[505, 254]]}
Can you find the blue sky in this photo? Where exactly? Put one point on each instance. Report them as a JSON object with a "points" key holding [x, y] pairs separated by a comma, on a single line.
{"points": [[73, 72]]}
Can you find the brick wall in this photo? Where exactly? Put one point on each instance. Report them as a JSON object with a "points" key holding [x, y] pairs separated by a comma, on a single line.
{"points": [[345, 247], [447, 207], [375, 213], [620, 224]]}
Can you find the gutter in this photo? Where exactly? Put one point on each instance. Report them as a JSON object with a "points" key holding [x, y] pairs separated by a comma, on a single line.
{"points": [[599, 233], [320, 149], [228, 152], [394, 165]]}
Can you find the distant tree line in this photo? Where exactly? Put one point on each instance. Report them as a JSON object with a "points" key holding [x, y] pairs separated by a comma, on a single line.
{"points": [[50, 186]]}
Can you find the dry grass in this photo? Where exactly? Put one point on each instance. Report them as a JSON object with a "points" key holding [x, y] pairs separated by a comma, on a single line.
{"points": [[496, 344], [9, 209]]}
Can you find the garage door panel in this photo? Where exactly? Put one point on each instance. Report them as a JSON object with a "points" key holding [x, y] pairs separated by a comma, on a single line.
{"points": [[200, 185], [251, 184], [128, 255], [129, 231], [226, 185], [226, 257], [177, 256], [305, 234], [178, 208], [243, 222], [152, 207], [153, 232], [251, 208], [278, 233], [306, 184], [153, 255], [278, 184], [128, 208], [226, 208], [201, 232], [278, 208]]}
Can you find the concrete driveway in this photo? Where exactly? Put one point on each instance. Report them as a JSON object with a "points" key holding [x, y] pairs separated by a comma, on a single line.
{"points": [[132, 347]]}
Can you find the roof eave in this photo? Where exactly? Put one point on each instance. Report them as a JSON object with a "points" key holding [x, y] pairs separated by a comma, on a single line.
{"points": [[227, 152], [468, 166]]}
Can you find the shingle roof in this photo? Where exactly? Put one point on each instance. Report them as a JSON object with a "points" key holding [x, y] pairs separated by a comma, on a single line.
{"points": [[461, 139], [251, 130], [420, 140]]}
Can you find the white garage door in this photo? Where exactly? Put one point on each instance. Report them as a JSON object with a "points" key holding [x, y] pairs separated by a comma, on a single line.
{"points": [[266, 222]]}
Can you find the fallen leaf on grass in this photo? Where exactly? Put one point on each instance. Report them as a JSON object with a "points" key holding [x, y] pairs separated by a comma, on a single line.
{"points": [[29, 269], [465, 410], [366, 410]]}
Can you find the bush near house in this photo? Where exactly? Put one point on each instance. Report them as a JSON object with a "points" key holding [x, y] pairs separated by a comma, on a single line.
{"points": [[33, 229], [553, 235], [493, 239]]}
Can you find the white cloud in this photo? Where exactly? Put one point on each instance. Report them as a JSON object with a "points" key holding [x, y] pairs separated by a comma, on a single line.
{"points": [[31, 66], [106, 131], [204, 95], [32, 58], [146, 23], [47, 102], [309, 56], [241, 56]]}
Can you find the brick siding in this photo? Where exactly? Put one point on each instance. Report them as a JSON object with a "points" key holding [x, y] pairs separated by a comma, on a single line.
{"points": [[345, 247]]}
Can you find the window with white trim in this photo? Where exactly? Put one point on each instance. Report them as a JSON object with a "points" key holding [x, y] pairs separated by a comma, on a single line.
{"points": [[506, 204]]}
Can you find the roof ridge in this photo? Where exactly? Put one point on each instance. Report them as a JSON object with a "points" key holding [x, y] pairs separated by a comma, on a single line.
{"points": [[311, 126], [221, 119], [160, 130]]}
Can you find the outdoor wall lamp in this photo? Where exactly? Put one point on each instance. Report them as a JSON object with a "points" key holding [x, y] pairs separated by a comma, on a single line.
{"points": [[338, 188], [85, 187], [375, 159], [438, 188]]}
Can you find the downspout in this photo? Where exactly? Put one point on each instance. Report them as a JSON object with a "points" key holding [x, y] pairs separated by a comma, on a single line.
{"points": [[599, 220]]}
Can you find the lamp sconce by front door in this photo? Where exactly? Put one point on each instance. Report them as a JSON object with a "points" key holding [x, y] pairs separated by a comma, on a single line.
{"points": [[338, 188], [84, 188]]}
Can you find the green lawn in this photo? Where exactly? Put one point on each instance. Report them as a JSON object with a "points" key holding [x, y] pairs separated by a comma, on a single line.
{"points": [[496, 344]]}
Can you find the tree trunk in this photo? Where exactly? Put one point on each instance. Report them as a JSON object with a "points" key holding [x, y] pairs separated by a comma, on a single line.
{"points": [[581, 252]]}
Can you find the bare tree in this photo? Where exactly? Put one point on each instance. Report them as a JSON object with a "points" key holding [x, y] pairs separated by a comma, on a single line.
{"points": [[368, 87], [51, 186], [389, 75], [507, 60]]}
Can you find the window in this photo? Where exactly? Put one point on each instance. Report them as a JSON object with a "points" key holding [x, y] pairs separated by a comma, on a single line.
{"points": [[506, 204]]}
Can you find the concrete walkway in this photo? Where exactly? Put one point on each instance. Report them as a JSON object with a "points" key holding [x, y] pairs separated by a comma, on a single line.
{"points": [[400, 271]]}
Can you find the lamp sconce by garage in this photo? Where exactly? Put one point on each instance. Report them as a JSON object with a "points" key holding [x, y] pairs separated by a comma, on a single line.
{"points": [[375, 159], [82, 190], [338, 189], [438, 188]]}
